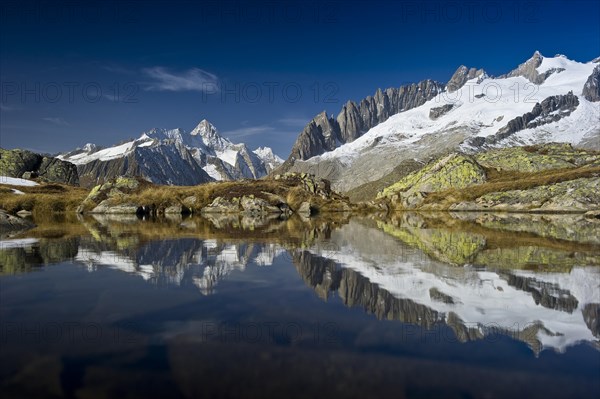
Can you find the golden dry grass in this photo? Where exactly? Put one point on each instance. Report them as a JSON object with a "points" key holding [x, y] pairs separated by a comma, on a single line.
{"points": [[43, 199]]}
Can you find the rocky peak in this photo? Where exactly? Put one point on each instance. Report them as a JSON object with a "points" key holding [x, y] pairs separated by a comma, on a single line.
{"points": [[528, 69], [210, 137], [461, 76], [205, 129], [323, 134], [90, 147], [591, 88]]}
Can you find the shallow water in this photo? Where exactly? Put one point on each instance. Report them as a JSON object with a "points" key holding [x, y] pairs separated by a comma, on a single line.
{"points": [[435, 305]]}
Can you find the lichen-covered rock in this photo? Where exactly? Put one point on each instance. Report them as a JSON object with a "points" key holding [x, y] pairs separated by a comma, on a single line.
{"points": [[58, 171], [108, 208], [19, 163], [574, 195], [222, 205], [252, 205], [110, 194], [537, 158], [453, 171]]}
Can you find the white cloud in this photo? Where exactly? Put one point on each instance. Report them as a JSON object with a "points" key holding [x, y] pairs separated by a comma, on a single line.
{"points": [[57, 120], [249, 131], [193, 79]]}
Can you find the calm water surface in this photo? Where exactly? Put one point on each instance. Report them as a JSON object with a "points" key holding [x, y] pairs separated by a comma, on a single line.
{"points": [[419, 306]]}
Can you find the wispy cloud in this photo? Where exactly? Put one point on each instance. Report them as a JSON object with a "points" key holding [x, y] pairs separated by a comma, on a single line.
{"points": [[193, 79], [250, 131], [57, 120]]}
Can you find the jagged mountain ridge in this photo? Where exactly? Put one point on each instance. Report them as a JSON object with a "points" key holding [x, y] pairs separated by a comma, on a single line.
{"points": [[542, 100], [173, 157]]}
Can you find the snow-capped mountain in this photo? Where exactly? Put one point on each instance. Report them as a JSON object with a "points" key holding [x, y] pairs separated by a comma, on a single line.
{"points": [[544, 99], [270, 159], [173, 157], [398, 282]]}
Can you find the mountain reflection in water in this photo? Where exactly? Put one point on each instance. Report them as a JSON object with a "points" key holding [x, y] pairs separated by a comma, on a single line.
{"points": [[533, 279]]}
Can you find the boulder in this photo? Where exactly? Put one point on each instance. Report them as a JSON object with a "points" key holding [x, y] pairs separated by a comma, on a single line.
{"points": [[222, 205], [456, 171], [28, 165], [306, 209], [10, 224], [252, 205]]}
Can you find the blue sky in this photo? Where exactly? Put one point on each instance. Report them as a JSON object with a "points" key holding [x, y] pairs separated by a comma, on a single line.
{"points": [[78, 72]]}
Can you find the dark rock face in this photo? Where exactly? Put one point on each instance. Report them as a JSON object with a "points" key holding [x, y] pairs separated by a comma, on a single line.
{"points": [[324, 134], [550, 110], [325, 276], [319, 136], [591, 315], [162, 165], [461, 76], [436, 112], [591, 89], [548, 295], [26, 164]]}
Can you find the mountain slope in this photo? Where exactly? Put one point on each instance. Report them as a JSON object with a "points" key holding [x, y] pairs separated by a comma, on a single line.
{"points": [[542, 100], [173, 157]]}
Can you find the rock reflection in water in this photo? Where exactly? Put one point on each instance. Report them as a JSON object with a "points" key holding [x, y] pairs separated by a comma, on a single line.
{"points": [[532, 278]]}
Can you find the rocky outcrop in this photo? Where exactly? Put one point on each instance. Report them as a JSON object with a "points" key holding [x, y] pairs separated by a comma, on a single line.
{"points": [[461, 76], [436, 112], [591, 89], [529, 71], [10, 224], [282, 195], [319, 136], [567, 183], [453, 171], [248, 205], [323, 133], [29, 165], [108, 197], [552, 109], [579, 195]]}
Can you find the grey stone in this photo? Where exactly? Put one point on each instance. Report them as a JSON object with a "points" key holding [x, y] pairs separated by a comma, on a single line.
{"points": [[461, 76], [436, 112], [591, 88]]}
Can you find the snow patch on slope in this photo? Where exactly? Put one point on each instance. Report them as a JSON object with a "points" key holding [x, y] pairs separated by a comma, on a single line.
{"points": [[15, 181]]}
